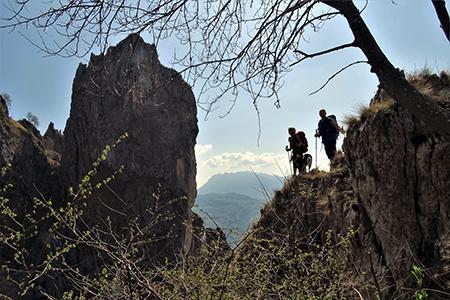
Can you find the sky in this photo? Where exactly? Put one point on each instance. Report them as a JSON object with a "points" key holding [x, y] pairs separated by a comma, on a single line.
{"points": [[407, 31]]}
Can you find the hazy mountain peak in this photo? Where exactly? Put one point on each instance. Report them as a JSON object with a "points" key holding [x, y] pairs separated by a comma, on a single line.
{"points": [[255, 185]]}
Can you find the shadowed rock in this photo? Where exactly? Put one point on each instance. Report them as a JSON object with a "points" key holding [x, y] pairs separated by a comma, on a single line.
{"points": [[149, 203], [129, 91]]}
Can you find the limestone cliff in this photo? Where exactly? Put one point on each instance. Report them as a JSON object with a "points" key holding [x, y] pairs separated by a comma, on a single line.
{"points": [[127, 90], [400, 174], [24, 157], [27, 173], [393, 187], [147, 205]]}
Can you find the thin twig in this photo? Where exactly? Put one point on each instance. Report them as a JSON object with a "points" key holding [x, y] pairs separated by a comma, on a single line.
{"points": [[335, 74]]}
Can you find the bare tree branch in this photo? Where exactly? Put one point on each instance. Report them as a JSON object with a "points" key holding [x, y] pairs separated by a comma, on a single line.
{"points": [[442, 13], [306, 55], [230, 46], [391, 79], [335, 74]]}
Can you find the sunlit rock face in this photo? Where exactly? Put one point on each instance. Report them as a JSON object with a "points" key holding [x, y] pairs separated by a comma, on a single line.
{"points": [[28, 172], [25, 161], [127, 91], [401, 176]]}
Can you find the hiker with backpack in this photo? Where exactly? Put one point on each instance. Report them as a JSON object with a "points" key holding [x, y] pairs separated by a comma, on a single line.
{"points": [[329, 131], [298, 145]]}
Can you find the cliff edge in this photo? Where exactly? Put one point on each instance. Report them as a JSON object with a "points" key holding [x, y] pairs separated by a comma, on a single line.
{"points": [[390, 191]]}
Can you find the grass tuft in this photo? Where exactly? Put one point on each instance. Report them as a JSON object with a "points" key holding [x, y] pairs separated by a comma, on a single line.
{"points": [[421, 79], [363, 111], [420, 74]]}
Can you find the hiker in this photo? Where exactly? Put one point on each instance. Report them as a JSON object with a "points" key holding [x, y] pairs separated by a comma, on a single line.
{"points": [[298, 145], [329, 131]]}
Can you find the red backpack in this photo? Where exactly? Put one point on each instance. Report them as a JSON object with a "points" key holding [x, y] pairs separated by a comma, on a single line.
{"points": [[302, 136]]}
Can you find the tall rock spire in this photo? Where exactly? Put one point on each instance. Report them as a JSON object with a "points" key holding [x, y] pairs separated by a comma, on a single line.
{"points": [[127, 90]]}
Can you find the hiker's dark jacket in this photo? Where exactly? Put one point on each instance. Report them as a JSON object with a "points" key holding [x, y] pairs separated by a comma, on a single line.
{"points": [[327, 130]]}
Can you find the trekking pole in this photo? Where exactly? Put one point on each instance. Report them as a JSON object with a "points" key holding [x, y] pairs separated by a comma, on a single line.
{"points": [[316, 149], [289, 160]]}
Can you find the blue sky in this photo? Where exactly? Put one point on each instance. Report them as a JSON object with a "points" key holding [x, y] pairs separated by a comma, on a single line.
{"points": [[407, 31]]}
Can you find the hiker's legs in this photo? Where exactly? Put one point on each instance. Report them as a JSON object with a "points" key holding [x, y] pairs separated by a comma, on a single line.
{"points": [[330, 149], [298, 163], [294, 165]]}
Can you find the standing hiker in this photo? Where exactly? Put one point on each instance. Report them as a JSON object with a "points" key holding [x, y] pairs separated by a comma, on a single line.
{"points": [[329, 131], [298, 145]]}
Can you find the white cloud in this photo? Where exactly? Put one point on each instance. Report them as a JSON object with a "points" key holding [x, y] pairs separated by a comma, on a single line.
{"points": [[269, 163], [238, 160], [201, 149]]}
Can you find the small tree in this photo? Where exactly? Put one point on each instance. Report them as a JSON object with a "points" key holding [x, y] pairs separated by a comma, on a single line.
{"points": [[32, 119]]}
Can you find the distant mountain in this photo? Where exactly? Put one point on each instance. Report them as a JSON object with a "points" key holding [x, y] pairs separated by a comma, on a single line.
{"points": [[229, 210], [255, 185], [234, 200]]}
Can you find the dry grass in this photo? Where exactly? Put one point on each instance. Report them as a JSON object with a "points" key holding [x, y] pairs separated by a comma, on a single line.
{"points": [[315, 174], [420, 74], [419, 79], [17, 125], [363, 111]]}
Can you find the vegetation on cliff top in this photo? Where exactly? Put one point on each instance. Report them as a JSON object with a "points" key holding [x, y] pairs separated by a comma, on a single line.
{"points": [[433, 86]]}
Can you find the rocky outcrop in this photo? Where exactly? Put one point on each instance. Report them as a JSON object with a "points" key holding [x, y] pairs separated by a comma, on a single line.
{"points": [[392, 187], [308, 217], [6, 150], [24, 159], [401, 177], [127, 90], [53, 144], [216, 242], [27, 174], [141, 191]]}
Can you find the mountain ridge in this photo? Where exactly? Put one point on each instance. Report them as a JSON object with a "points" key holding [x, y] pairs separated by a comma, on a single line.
{"points": [[255, 185], [232, 211]]}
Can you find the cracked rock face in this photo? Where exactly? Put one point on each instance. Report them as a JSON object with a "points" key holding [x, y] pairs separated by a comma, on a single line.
{"points": [[127, 90], [401, 175]]}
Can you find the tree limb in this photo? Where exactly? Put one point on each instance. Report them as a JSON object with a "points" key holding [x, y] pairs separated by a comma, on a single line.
{"points": [[306, 55], [442, 13], [335, 74], [392, 80]]}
